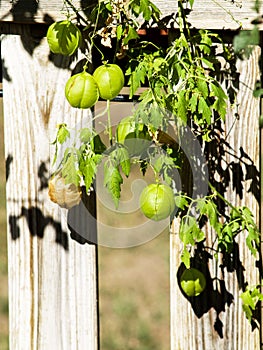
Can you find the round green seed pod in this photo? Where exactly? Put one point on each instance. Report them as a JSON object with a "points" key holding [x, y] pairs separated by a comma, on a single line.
{"points": [[110, 80], [193, 282], [64, 37], [81, 90], [157, 201]]}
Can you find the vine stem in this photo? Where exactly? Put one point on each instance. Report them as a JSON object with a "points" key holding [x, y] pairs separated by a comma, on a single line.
{"points": [[109, 122], [222, 197], [76, 11]]}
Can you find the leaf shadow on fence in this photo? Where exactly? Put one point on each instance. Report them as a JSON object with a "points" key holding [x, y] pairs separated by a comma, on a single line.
{"points": [[224, 176], [36, 220], [81, 219]]}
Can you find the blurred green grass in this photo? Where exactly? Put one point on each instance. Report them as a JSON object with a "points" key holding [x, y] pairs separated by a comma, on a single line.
{"points": [[133, 288], [134, 296]]}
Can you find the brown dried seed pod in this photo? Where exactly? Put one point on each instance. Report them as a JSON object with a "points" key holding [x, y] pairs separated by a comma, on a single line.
{"points": [[65, 195]]}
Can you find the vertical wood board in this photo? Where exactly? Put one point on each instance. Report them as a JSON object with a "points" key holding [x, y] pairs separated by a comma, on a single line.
{"points": [[52, 279], [215, 320]]}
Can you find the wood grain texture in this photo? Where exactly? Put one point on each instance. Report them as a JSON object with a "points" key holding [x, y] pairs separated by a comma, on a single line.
{"points": [[52, 278], [216, 320], [208, 14]]}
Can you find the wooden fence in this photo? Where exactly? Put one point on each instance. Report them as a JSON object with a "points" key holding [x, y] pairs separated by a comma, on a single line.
{"points": [[52, 278]]}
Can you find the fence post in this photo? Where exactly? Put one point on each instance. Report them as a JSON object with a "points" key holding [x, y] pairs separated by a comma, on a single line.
{"points": [[215, 319], [52, 278]]}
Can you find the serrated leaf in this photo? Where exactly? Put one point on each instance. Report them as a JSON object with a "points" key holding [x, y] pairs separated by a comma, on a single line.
{"points": [[182, 107], [137, 78], [247, 215], [248, 312], [250, 298], [202, 87], [88, 168], [113, 181], [207, 63], [85, 135], [189, 231], [63, 133], [253, 240], [206, 41], [185, 258], [122, 157], [132, 34], [193, 102], [212, 213], [247, 299], [204, 109], [70, 169], [145, 9], [220, 103], [181, 202]]}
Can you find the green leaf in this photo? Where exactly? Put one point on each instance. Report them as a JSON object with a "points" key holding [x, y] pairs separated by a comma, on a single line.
{"points": [[88, 167], [182, 106], [70, 169], [244, 41], [137, 77], [149, 10], [181, 202], [123, 158], [253, 240], [191, 3], [145, 9], [212, 214], [63, 133], [113, 181], [185, 257], [202, 87], [132, 34], [97, 145], [250, 299], [220, 103], [204, 109], [85, 135], [119, 31], [189, 231], [257, 93], [206, 41], [207, 63], [193, 102], [225, 239]]}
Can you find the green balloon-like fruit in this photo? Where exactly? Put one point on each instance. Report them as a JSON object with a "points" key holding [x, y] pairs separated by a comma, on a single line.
{"points": [[157, 201], [110, 80], [135, 137], [192, 282], [63, 37], [81, 90]]}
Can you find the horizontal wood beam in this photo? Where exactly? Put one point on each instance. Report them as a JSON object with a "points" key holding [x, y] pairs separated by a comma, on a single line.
{"points": [[208, 14]]}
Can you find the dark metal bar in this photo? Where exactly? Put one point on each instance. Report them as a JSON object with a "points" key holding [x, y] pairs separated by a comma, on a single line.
{"points": [[124, 98]]}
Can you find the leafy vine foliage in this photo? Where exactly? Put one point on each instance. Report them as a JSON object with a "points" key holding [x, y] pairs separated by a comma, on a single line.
{"points": [[182, 86]]}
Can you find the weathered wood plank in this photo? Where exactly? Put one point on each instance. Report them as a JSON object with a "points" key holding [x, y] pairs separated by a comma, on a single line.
{"points": [[216, 320], [213, 14], [52, 278]]}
